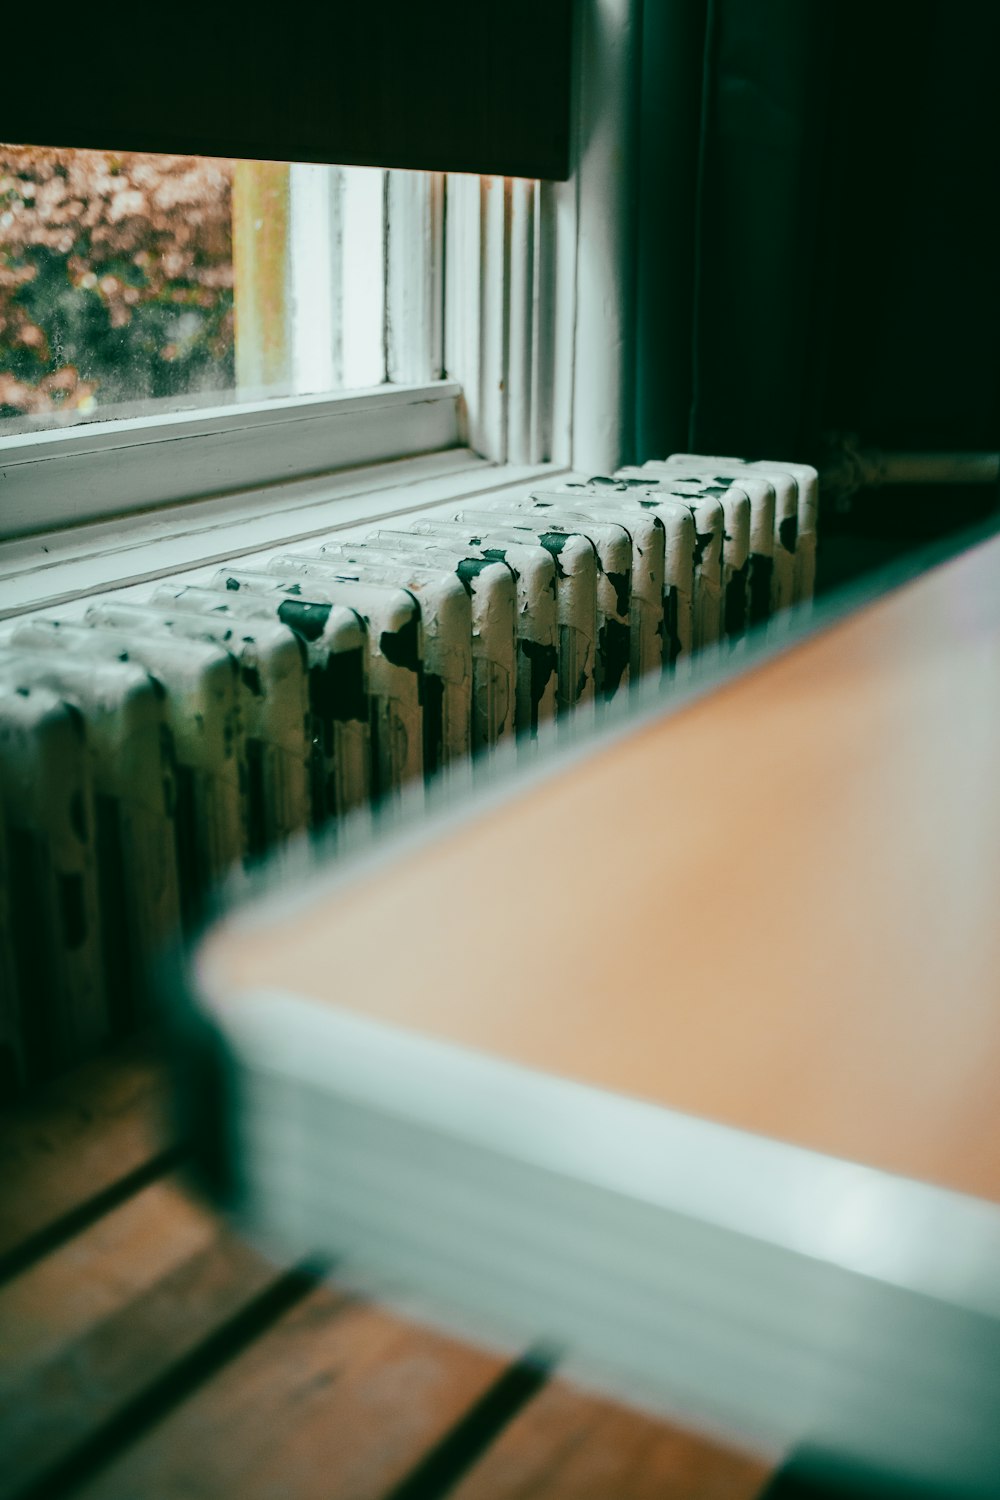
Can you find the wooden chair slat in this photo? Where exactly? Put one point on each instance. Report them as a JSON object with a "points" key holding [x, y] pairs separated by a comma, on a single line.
{"points": [[81, 1136], [332, 1401], [108, 1363], [60, 1299], [116, 1378], [565, 1445]]}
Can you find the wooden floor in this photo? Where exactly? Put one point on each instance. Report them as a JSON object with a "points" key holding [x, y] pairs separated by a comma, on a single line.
{"points": [[145, 1352]]}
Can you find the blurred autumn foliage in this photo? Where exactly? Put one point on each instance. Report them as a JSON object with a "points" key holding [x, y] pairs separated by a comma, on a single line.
{"points": [[116, 278]]}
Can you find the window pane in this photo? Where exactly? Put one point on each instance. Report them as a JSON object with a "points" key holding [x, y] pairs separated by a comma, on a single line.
{"points": [[132, 284]]}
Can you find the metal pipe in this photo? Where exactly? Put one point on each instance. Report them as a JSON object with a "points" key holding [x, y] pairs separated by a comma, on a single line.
{"points": [[933, 468], [852, 468]]}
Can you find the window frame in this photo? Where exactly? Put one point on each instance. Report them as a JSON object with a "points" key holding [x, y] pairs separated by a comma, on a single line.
{"points": [[67, 570], [536, 340], [98, 471], [67, 475]]}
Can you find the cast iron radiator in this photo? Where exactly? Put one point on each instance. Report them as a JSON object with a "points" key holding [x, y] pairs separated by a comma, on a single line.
{"points": [[151, 749]]}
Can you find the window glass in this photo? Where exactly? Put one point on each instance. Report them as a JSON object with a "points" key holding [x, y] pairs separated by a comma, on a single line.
{"points": [[132, 284]]}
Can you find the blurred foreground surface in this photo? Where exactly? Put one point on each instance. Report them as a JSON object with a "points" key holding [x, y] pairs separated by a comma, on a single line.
{"points": [[145, 1351]]}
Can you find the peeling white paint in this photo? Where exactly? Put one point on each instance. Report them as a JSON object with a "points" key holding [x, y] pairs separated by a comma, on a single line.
{"points": [[576, 600], [394, 691], [202, 707], [132, 771], [47, 800], [446, 627], [493, 596], [648, 563], [536, 621], [226, 697]]}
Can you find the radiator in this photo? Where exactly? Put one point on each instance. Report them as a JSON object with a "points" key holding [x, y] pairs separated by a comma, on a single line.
{"points": [[150, 750]]}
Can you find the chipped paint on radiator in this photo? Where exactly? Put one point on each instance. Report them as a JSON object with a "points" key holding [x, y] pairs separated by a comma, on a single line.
{"points": [[333, 641], [491, 586], [536, 623], [49, 811], [612, 546], [575, 561], [199, 688], [796, 489], [157, 747], [763, 533], [733, 557], [446, 615], [134, 780], [272, 711], [628, 637], [591, 500], [679, 563], [12, 1068], [395, 658], [806, 481]]}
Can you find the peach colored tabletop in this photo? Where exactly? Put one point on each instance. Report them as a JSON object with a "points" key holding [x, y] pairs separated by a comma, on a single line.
{"points": [[778, 908]]}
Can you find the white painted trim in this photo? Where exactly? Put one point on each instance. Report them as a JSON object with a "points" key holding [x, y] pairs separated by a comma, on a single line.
{"points": [[586, 251], [906, 1234], [60, 568], [769, 1294], [315, 206], [493, 392], [504, 342], [79, 474], [361, 252], [603, 207], [533, 329], [413, 275], [558, 252], [462, 298], [522, 323]]}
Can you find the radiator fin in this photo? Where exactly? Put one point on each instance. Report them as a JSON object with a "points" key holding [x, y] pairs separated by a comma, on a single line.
{"points": [[156, 748]]}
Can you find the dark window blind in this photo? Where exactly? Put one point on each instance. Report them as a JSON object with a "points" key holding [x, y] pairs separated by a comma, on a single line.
{"points": [[456, 85]]}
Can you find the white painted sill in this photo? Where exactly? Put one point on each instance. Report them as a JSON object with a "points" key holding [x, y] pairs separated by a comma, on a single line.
{"points": [[66, 568], [57, 479]]}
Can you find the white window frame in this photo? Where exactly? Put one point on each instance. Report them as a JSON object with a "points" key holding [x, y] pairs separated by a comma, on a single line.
{"points": [[64, 476], [59, 479], [535, 338]]}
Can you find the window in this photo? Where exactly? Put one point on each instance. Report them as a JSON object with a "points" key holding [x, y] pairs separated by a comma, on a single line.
{"points": [[504, 339], [132, 284], [233, 326], [466, 328]]}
